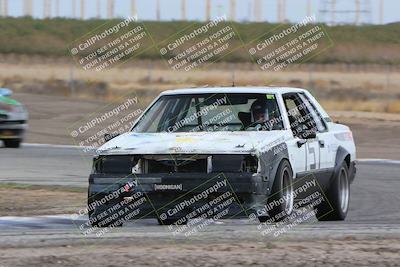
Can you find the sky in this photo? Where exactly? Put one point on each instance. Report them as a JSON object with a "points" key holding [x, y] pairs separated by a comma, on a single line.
{"points": [[170, 9]]}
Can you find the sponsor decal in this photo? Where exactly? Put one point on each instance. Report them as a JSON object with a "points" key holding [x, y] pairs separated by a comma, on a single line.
{"points": [[168, 187]]}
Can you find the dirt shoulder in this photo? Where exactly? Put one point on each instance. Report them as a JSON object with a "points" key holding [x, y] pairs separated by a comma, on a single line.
{"points": [[376, 134], [39, 200], [342, 252]]}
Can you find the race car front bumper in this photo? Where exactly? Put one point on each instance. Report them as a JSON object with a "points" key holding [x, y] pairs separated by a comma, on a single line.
{"points": [[12, 129], [178, 194], [13, 125]]}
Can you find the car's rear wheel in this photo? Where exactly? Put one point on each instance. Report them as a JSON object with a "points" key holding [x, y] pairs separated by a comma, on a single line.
{"points": [[281, 200], [171, 221], [12, 143], [336, 202]]}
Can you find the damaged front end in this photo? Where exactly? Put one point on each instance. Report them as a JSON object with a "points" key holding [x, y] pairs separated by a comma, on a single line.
{"points": [[178, 184]]}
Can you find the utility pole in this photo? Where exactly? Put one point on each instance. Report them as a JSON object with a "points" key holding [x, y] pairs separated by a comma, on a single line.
{"points": [[28, 8], [208, 10], [47, 9], [82, 9], [133, 8], [98, 9], [381, 11], [308, 8], [183, 9], [333, 15], [73, 9], [110, 9], [232, 10], [158, 12], [281, 10], [358, 9], [4, 8], [258, 10], [57, 8]]}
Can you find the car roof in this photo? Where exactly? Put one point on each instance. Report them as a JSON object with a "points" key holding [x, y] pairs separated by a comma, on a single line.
{"points": [[214, 90]]}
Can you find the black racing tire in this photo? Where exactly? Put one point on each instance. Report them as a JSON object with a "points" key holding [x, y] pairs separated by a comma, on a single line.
{"points": [[337, 197], [12, 143], [169, 221], [282, 189]]}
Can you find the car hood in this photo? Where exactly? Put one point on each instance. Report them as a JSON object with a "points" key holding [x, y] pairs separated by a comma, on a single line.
{"points": [[189, 143], [18, 113], [9, 101]]}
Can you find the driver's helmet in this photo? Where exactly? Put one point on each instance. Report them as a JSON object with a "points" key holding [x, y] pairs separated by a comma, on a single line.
{"points": [[259, 112]]}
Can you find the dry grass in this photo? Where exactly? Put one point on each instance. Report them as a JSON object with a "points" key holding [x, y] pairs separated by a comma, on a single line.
{"points": [[394, 107], [365, 105], [376, 91], [24, 200]]}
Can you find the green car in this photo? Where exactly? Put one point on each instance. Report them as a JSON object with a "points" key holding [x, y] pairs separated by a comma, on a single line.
{"points": [[13, 120]]}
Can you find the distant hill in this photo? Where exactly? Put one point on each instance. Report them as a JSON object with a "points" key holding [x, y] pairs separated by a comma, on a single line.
{"points": [[351, 44]]}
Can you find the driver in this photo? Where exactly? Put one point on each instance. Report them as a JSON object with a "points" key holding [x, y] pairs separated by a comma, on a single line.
{"points": [[259, 112]]}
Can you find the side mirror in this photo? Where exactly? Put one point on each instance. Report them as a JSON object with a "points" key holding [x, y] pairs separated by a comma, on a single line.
{"points": [[301, 142], [108, 137], [303, 138]]}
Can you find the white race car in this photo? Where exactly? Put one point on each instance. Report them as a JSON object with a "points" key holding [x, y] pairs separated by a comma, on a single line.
{"points": [[269, 149]]}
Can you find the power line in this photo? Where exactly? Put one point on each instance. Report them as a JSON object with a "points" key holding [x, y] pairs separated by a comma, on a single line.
{"points": [[334, 12], [330, 11]]}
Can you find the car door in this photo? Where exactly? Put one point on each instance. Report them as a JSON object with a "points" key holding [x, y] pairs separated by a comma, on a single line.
{"points": [[324, 137], [297, 154], [303, 126]]}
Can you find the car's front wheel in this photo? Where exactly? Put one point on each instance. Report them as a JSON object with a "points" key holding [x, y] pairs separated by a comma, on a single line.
{"points": [[336, 203], [12, 143], [280, 202]]}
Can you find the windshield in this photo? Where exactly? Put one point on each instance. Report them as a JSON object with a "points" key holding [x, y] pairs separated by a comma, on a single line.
{"points": [[211, 112]]}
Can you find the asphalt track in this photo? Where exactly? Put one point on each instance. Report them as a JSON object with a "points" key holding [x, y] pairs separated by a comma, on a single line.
{"points": [[374, 205]]}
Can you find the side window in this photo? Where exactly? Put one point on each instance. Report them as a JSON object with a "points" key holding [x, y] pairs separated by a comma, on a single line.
{"points": [[301, 120], [293, 111], [314, 113]]}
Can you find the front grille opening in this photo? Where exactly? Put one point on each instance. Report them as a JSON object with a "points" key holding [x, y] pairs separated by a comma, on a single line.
{"points": [[250, 164], [182, 166], [235, 163], [148, 164], [114, 164]]}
